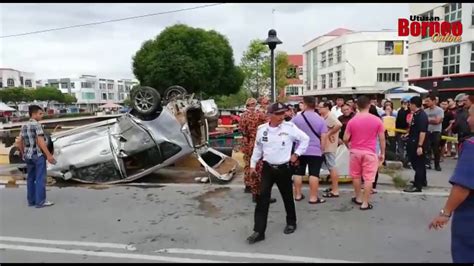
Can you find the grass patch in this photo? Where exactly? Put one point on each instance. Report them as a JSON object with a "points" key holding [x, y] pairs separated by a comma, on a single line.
{"points": [[397, 178], [399, 181]]}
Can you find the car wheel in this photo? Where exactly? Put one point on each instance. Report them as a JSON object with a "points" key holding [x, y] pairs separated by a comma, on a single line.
{"points": [[146, 100], [174, 91]]}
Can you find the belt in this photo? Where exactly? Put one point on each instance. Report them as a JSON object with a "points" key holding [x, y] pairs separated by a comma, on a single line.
{"points": [[277, 166]]}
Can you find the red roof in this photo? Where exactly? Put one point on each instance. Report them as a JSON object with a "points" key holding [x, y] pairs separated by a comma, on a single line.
{"points": [[295, 59], [338, 32]]}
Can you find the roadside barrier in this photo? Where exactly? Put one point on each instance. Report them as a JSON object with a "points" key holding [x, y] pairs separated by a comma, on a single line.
{"points": [[448, 138]]}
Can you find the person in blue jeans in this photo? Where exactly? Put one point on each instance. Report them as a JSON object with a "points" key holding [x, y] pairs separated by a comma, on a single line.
{"points": [[34, 151]]}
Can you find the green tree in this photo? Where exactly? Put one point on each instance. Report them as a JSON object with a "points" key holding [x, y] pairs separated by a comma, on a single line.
{"points": [[233, 100], [256, 67], [281, 71], [256, 63], [69, 99], [47, 94], [15, 95], [194, 58]]}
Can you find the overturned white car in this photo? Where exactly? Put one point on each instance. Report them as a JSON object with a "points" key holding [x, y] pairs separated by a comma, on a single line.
{"points": [[153, 135]]}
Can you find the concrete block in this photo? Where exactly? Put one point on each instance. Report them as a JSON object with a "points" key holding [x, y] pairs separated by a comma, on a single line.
{"points": [[394, 165]]}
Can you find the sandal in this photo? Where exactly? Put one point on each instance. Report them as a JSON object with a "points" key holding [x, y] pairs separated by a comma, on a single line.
{"points": [[328, 189], [369, 207], [300, 199], [373, 191], [318, 201], [354, 200], [330, 195]]}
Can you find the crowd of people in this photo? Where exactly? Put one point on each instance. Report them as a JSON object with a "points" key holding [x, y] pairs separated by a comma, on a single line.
{"points": [[282, 143]]}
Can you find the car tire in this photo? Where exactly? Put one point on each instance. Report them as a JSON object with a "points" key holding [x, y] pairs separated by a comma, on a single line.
{"points": [[146, 100], [174, 91]]}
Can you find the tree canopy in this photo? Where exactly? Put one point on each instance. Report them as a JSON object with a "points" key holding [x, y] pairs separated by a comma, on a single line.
{"points": [[47, 94], [255, 64], [198, 60], [233, 100]]}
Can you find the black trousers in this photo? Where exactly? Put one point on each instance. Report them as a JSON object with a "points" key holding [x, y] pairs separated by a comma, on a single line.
{"points": [[433, 140], [401, 143], [418, 164], [282, 177], [374, 185]]}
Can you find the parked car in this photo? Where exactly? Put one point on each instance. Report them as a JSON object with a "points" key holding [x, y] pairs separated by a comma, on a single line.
{"points": [[154, 134]]}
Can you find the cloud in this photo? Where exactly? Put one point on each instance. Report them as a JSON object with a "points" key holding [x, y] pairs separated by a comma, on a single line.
{"points": [[107, 49]]}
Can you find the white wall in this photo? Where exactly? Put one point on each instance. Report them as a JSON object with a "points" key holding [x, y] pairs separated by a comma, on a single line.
{"points": [[359, 62], [417, 45], [6, 74]]}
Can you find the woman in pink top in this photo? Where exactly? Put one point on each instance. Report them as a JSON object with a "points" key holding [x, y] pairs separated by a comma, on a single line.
{"points": [[361, 139]]}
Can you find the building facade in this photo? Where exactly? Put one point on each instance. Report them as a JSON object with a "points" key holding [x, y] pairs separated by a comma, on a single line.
{"points": [[352, 63], [446, 68], [294, 90], [91, 90], [10, 78]]}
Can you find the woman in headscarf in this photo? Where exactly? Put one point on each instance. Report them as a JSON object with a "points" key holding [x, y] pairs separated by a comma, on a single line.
{"points": [[460, 203]]}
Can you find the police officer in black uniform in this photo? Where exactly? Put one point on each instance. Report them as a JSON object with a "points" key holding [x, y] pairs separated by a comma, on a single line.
{"points": [[416, 144], [274, 143]]}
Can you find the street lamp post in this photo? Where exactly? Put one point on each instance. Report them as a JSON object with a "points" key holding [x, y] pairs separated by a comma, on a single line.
{"points": [[272, 41]]}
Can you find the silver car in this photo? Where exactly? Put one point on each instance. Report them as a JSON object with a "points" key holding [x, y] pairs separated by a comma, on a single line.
{"points": [[153, 135]]}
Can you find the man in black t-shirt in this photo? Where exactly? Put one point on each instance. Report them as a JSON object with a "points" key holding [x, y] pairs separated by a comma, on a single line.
{"points": [[446, 125], [415, 144], [401, 123]]}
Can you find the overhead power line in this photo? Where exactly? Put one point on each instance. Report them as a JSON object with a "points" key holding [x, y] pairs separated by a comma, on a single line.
{"points": [[110, 21]]}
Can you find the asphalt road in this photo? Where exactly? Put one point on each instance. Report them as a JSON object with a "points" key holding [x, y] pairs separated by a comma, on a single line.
{"points": [[209, 223]]}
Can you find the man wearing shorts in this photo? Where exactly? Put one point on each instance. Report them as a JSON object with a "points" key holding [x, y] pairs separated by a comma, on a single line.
{"points": [[361, 140], [314, 126], [334, 126]]}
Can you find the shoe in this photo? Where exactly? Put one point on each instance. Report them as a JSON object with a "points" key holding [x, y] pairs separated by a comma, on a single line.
{"points": [[255, 237], [247, 190], [412, 189], [424, 185], [46, 204], [289, 229], [438, 168], [428, 167]]}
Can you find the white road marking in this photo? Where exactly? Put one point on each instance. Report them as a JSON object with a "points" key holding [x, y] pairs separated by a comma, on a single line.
{"points": [[71, 243], [107, 254], [438, 192], [250, 255]]}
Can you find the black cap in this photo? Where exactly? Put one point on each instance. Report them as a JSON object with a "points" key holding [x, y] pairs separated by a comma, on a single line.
{"points": [[277, 108]]}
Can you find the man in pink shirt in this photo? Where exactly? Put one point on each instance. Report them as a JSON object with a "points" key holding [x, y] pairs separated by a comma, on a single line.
{"points": [[361, 139]]}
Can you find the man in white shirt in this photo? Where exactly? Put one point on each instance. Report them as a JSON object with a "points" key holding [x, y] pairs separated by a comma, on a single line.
{"points": [[273, 144], [337, 109]]}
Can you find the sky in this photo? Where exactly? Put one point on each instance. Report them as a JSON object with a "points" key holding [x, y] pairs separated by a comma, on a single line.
{"points": [[106, 50]]}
